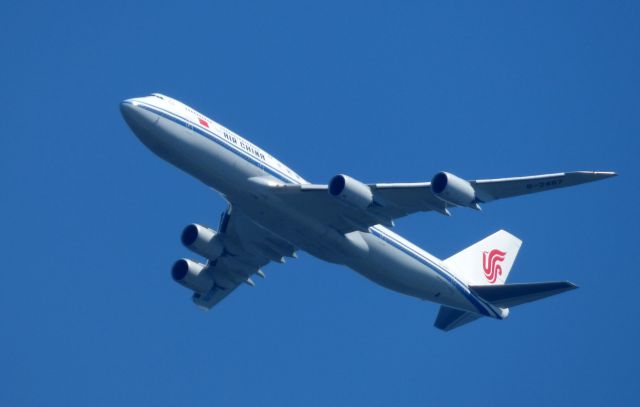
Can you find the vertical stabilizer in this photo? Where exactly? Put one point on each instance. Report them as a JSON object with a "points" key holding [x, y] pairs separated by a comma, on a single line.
{"points": [[487, 262]]}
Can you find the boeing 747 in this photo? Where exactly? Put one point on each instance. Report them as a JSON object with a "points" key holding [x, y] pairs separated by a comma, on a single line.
{"points": [[273, 212]]}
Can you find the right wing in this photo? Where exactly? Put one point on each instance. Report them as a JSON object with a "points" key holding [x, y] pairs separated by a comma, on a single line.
{"points": [[247, 248], [488, 190], [395, 200]]}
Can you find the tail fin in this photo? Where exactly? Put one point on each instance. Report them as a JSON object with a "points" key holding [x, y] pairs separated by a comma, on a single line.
{"points": [[488, 261]]}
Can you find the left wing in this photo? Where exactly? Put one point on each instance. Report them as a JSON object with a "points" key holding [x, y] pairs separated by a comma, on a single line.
{"points": [[247, 248], [347, 204]]}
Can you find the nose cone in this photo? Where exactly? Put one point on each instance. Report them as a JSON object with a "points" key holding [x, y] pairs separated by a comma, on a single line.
{"points": [[141, 120], [131, 113]]}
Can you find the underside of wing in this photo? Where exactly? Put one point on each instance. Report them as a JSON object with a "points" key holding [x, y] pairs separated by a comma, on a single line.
{"points": [[390, 203], [244, 248], [347, 204], [488, 190]]}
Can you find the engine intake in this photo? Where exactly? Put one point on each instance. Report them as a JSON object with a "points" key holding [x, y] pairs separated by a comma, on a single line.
{"points": [[202, 240], [351, 191], [192, 275], [453, 190]]}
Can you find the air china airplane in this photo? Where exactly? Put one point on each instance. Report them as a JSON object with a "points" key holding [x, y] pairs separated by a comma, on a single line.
{"points": [[273, 212]]}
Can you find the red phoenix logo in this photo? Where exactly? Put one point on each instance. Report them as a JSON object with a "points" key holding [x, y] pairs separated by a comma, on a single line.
{"points": [[490, 264]]}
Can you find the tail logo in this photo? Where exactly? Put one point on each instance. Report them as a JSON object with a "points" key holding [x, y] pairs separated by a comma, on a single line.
{"points": [[490, 264]]}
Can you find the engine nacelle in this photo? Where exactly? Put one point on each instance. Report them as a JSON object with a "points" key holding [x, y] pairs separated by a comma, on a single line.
{"points": [[192, 275], [351, 191], [454, 190], [202, 240]]}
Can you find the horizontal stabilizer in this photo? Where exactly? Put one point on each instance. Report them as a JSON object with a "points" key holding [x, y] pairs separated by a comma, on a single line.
{"points": [[509, 295], [450, 318]]}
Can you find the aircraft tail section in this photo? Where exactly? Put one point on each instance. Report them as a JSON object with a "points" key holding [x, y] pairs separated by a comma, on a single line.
{"points": [[451, 318], [502, 296], [484, 267], [488, 261], [510, 295]]}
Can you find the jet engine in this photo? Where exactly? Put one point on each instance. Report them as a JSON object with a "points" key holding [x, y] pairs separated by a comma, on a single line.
{"points": [[202, 240], [192, 275], [351, 191], [454, 190]]}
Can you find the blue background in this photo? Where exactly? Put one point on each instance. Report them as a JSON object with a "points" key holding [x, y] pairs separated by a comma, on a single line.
{"points": [[382, 91]]}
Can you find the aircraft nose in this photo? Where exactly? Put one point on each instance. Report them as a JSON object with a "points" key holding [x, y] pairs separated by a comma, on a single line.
{"points": [[142, 121], [129, 110], [138, 118]]}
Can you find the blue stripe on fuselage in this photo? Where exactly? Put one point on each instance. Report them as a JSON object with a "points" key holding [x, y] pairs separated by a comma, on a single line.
{"points": [[218, 140], [482, 307]]}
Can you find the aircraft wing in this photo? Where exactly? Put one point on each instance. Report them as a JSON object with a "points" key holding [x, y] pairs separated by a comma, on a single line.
{"points": [[488, 190], [248, 248], [395, 200]]}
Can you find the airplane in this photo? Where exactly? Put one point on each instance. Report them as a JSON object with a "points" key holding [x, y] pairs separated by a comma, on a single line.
{"points": [[273, 212]]}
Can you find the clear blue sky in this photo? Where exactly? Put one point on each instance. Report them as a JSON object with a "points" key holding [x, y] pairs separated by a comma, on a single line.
{"points": [[383, 91]]}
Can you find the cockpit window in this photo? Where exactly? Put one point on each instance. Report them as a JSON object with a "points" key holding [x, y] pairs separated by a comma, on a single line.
{"points": [[159, 96]]}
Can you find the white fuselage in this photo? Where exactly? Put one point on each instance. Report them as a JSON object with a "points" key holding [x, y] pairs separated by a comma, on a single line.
{"points": [[228, 163]]}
